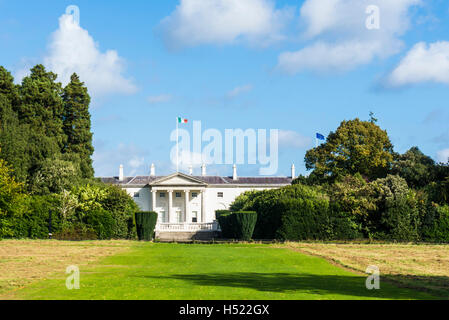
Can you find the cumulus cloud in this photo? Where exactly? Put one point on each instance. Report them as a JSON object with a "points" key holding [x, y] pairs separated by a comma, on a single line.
{"points": [[443, 156], [159, 99], [239, 90], [197, 22], [292, 139], [423, 63], [72, 49], [339, 38]]}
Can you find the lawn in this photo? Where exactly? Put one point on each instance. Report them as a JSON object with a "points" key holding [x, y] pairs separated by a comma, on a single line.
{"points": [[422, 266], [195, 271]]}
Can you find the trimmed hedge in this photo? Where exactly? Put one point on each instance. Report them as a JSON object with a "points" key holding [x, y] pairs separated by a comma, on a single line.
{"points": [[227, 224], [145, 224], [219, 213], [237, 225], [245, 223]]}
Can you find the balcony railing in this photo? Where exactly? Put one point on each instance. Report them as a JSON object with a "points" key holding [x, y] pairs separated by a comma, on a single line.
{"points": [[187, 227]]}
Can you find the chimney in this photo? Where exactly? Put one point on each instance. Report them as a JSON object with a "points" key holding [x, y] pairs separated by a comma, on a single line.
{"points": [[191, 170], [203, 170], [293, 171], [121, 177], [153, 170], [234, 172]]}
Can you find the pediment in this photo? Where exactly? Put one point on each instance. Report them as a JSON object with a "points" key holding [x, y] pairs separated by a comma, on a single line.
{"points": [[178, 179]]}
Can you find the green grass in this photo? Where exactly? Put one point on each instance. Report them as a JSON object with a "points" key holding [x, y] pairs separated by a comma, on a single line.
{"points": [[188, 271]]}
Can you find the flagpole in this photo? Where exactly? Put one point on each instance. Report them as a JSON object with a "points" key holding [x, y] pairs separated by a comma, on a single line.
{"points": [[177, 145]]}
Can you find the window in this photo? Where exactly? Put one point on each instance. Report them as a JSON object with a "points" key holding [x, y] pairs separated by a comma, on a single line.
{"points": [[163, 217], [136, 194], [162, 195], [220, 194], [194, 216], [194, 195], [178, 194]]}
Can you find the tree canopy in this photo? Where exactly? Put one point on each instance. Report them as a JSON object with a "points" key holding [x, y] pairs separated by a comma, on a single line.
{"points": [[355, 147]]}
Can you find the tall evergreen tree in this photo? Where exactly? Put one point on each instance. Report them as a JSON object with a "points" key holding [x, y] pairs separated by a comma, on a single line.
{"points": [[77, 124], [13, 135], [42, 105]]}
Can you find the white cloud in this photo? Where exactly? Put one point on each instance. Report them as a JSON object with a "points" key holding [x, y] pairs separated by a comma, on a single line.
{"points": [[423, 63], [72, 49], [196, 22], [339, 37], [159, 99], [443, 156], [239, 90], [292, 139]]}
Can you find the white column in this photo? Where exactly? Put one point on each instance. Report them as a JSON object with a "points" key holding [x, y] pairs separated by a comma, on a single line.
{"points": [[203, 207], [186, 206], [171, 216], [153, 200]]}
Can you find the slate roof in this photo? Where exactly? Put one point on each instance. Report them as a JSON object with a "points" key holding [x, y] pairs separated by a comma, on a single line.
{"points": [[213, 180]]}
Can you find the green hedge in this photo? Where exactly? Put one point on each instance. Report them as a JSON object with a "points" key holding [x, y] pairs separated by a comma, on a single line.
{"points": [[219, 213], [227, 224], [237, 225], [435, 226], [245, 223], [145, 224]]}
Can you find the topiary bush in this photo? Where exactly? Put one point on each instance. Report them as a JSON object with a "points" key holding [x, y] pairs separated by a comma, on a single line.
{"points": [[245, 221], [218, 213], [145, 225], [227, 224]]}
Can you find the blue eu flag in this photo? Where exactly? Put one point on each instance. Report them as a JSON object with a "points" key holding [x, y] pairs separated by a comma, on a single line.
{"points": [[319, 136]]}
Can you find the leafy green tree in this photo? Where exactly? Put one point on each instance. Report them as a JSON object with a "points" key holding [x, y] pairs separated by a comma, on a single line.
{"points": [[11, 199], [77, 124], [415, 167], [356, 147], [55, 176], [398, 208]]}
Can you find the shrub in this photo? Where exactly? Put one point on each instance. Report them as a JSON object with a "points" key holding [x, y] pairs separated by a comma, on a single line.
{"points": [[218, 213], [102, 223], [245, 223], [435, 227], [34, 223], [76, 232], [145, 224], [228, 224]]}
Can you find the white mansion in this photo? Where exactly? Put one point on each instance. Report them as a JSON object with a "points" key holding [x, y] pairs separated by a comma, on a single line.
{"points": [[187, 203]]}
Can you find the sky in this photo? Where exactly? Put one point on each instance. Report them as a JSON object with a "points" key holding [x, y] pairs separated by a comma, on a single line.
{"points": [[300, 67]]}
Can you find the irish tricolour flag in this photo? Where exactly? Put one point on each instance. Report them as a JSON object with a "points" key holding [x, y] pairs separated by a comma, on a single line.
{"points": [[182, 120]]}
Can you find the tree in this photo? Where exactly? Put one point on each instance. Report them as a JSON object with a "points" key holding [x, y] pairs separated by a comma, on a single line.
{"points": [[415, 167], [13, 136], [77, 124], [41, 110], [55, 176], [11, 199], [356, 147]]}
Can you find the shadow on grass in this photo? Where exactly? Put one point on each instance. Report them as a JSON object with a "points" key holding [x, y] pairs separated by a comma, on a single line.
{"points": [[297, 284]]}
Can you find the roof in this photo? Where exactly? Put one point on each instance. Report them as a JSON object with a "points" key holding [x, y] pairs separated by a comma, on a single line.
{"points": [[210, 180]]}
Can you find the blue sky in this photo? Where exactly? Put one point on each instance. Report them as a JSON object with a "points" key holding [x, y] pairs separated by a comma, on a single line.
{"points": [[298, 66]]}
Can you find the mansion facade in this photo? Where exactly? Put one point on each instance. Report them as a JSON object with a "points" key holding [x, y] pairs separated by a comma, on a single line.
{"points": [[187, 203]]}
